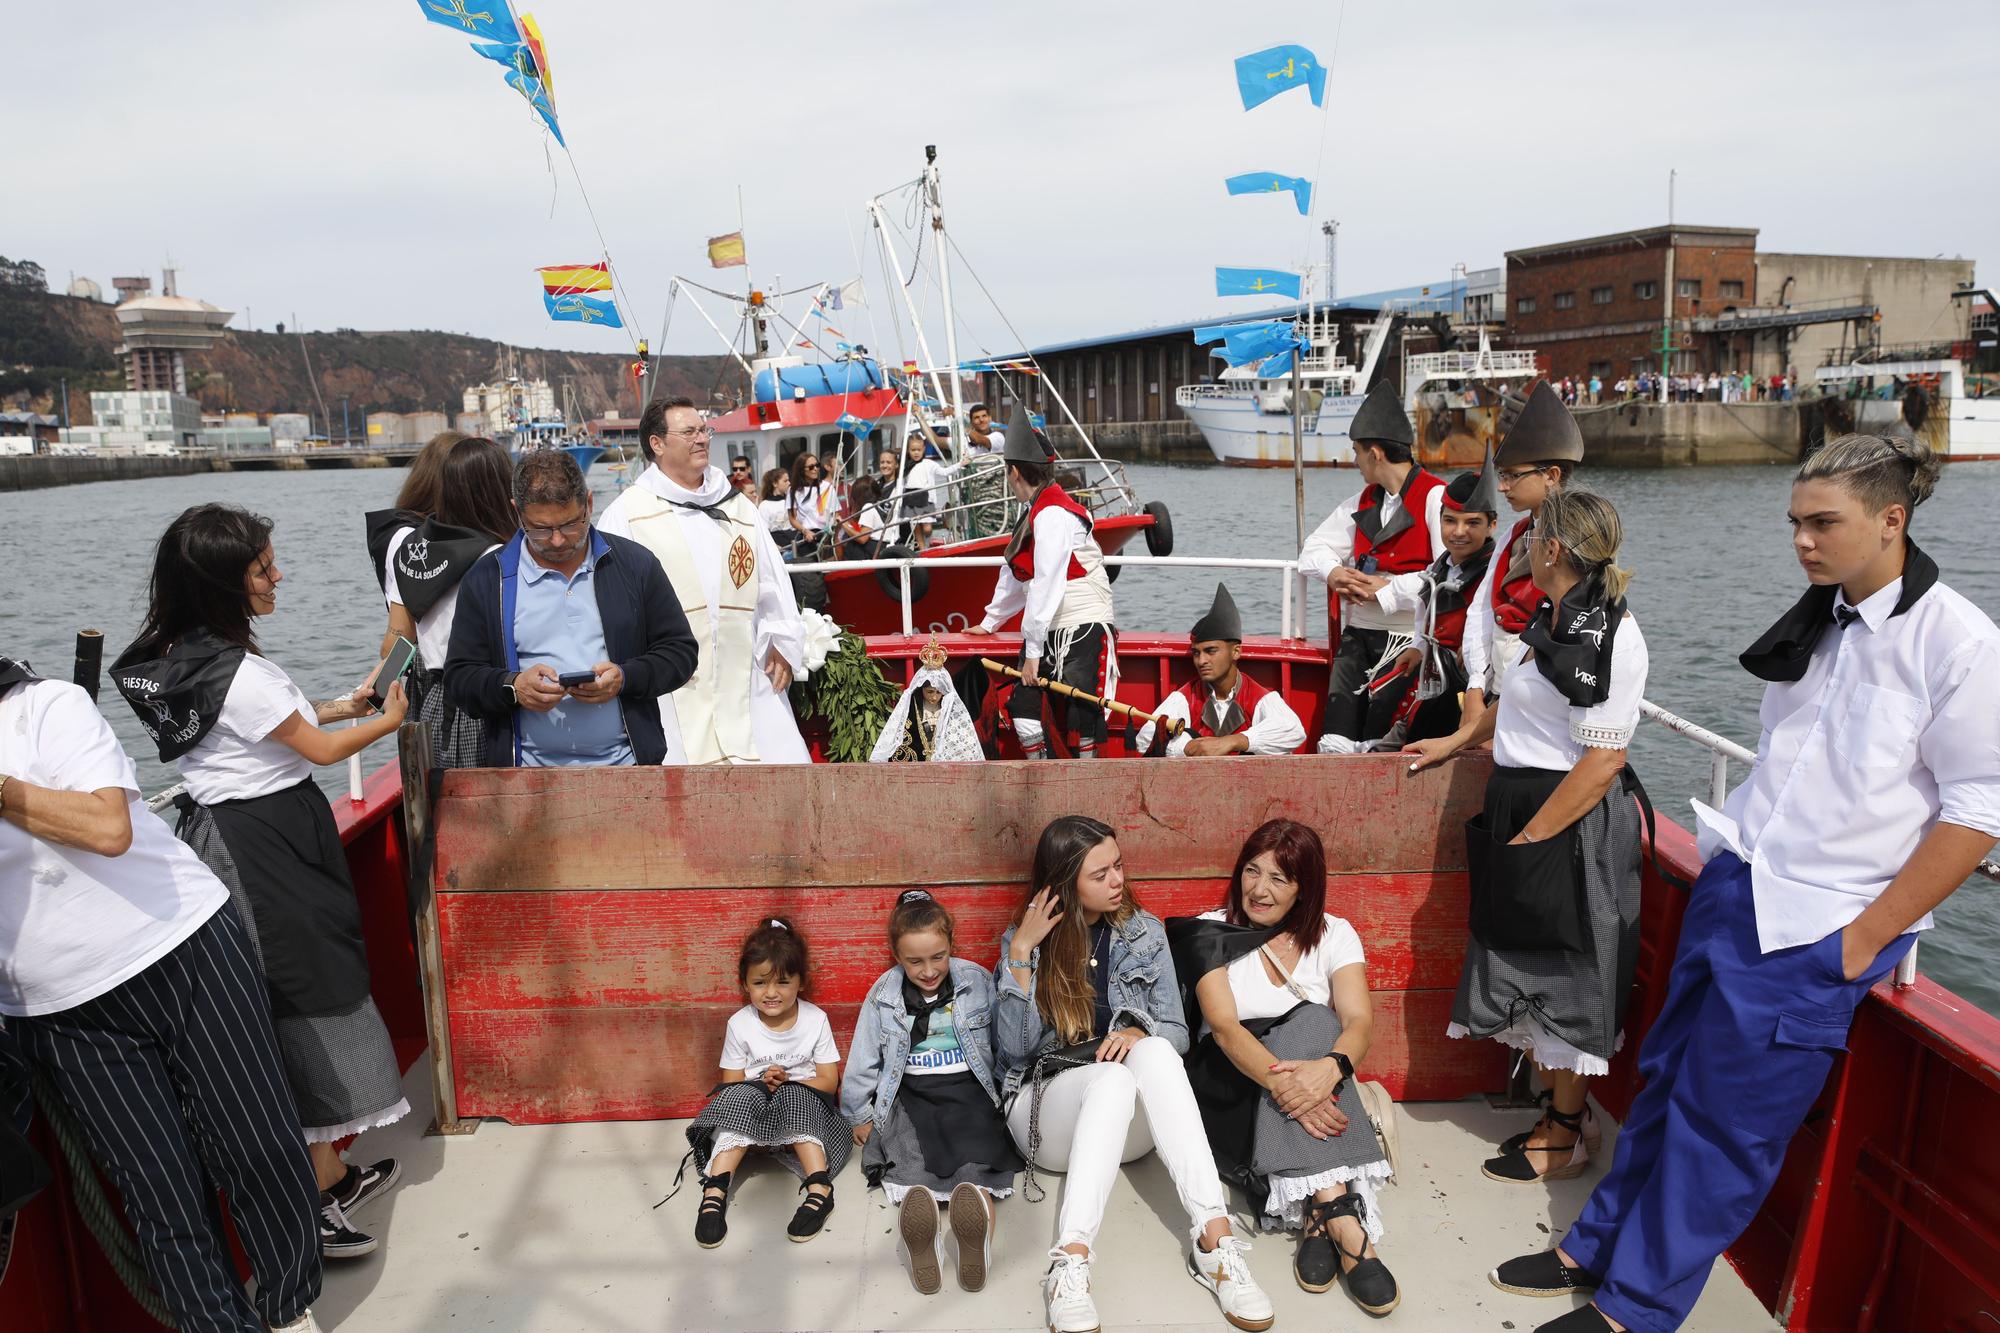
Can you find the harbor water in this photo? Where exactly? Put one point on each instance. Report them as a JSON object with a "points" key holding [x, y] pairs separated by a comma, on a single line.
{"points": [[1709, 548]]}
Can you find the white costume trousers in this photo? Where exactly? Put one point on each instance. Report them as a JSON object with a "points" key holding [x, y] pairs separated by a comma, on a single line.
{"points": [[1094, 1119]]}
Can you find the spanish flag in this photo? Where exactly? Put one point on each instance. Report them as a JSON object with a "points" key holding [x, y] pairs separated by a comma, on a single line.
{"points": [[563, 279], [726, 251]]}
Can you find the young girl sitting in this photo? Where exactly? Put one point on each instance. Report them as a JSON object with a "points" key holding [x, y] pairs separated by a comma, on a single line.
{"points": [[779, 1072], [923, 1097]]}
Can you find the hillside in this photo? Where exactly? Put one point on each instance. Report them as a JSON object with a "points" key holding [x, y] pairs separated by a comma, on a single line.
{"points": [[46, 338]]}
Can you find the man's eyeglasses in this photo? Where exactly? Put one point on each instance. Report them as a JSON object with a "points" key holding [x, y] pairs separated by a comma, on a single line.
{"points": [[570, 530], [695, 433]]}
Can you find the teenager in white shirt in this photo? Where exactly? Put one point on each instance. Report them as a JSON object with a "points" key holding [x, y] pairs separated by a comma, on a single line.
{"points": [[246, 740], [1876, 792], [126, 979]]}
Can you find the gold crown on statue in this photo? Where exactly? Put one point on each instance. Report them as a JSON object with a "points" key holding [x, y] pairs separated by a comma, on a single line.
{"points": [[932, 657]]}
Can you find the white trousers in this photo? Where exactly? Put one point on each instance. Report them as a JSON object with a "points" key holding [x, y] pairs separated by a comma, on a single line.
{"points": [[1094, 1119]]}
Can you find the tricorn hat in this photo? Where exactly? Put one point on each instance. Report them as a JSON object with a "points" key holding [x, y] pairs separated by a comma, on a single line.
{"points": [[1544, 432], [1222, 621], [1025, 444], [1382, 419], [1475, 492]]}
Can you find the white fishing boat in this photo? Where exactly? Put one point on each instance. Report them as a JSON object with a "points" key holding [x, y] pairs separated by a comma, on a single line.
{"points": [[1961, 417], [1246, 417]]}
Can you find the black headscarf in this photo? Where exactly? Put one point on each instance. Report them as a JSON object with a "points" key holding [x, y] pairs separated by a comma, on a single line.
{"points": [[1785, 649], [178, 697], [432, 560], [1572, 643], [921, 1006]]}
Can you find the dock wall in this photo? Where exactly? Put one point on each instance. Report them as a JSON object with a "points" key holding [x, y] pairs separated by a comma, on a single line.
{"points": [[41, 471]]}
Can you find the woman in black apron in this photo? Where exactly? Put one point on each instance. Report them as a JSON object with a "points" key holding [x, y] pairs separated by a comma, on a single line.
{"points": [[246, 740], [1554, 856], [419, 558]]}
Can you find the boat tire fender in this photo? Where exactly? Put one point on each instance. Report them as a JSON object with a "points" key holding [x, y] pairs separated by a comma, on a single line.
{"points": [[1160, 536], [891, 583], [810, 590]]}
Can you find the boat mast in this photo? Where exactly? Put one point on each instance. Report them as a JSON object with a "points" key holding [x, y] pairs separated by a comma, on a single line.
{"points": [[909, 303], [944, 286]]}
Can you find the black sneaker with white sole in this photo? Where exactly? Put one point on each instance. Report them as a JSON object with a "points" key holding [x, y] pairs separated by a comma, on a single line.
{"points": [[363, 1184], [337, 1237]]}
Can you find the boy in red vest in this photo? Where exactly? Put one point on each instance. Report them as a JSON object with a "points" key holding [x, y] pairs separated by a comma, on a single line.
{"points": [[1540, 450], [1431, 674], [1224, 711], [1372, 552], [1055, 579]]}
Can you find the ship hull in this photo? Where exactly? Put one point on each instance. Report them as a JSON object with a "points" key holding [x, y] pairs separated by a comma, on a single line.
{"points": [[1241, 433]]}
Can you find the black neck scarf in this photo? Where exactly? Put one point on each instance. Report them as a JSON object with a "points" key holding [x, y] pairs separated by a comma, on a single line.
{"points": [[1785, 649], [13, 673], [432, 560], [381, 527], [178, 697], [921, 1006], [716, 512], [1572, 642], [1446, 600], [1199, 946]]}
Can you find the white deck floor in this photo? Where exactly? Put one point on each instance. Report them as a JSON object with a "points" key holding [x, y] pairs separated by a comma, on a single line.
{"points": [[552, 1229]]}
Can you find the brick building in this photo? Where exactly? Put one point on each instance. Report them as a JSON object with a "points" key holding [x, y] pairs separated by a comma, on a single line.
{"points": [[1595, 306]]}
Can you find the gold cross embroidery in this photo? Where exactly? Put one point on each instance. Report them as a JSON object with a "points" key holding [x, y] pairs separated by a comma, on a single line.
{"points": [[456, 11]]}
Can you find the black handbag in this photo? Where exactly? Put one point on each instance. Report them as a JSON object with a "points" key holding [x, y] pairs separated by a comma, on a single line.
{"points": [[1047, 1065], [1526, 896], [23, 1172]]}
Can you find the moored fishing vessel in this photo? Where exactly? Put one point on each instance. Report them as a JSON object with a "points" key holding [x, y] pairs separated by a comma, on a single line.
{"points": [[1452, 396]]}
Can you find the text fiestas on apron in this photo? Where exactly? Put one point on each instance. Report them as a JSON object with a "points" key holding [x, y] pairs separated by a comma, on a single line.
{"points": [[179, 697]]}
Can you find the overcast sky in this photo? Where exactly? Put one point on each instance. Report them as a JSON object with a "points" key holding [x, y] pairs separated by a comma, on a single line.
{"points": [[353, 165]]}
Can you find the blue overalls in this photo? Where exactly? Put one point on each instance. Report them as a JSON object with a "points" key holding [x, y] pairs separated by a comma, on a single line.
{"points": [[1733, 1063]]}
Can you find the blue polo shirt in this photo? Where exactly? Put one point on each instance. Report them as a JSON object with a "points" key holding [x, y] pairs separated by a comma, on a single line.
{"points": [[556, 621]]}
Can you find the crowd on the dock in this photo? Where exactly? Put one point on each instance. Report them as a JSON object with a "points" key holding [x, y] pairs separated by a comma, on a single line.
{"points": [[1646, 387], [202, 1002]]}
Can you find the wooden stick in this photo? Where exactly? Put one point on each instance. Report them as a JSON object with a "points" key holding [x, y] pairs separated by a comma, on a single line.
{"points": [[1173, 725]]}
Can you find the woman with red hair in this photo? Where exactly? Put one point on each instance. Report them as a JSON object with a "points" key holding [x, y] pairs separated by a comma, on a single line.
{"points": [[1277, 994]]}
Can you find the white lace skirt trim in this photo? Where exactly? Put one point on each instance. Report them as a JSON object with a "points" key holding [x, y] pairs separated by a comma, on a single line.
{"points": [[1286, 1208], [328, 1133], [725, 1140], [1549, 1051]]}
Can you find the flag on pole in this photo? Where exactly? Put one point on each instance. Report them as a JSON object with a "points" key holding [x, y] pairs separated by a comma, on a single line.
{"points": [[493, 21], [1272, 343], [1270, 182], [726, 251], [562, 279], [1256, 282], [578, 309], [848, 295], [1262, 75]]}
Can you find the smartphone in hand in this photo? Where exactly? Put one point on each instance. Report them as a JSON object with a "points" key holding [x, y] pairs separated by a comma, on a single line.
{"points": [[569, 680], [402, 655]]}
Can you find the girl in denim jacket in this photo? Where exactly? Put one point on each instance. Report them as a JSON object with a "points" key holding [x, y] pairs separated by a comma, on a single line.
{"points": [[1087, 991], [923, 1098]]}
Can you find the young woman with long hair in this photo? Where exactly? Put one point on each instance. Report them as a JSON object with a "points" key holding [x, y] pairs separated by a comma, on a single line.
{"points": [[425, 557], [246, 740], [1089, 1031]]}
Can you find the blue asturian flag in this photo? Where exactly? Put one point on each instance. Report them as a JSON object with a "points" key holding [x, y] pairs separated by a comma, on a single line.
{"points": [[491, 20], [1256, 282], [858, 427], [577, 308], [1262, 75], [1270, 182], [538, 98], [1272, 343]]}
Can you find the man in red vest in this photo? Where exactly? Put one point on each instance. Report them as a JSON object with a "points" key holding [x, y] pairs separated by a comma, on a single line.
{"points": [[1372, 551], [1540, 450], [1224, 711], [1056, 580]]}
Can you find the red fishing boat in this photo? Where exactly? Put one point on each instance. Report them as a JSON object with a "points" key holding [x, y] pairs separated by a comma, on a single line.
{"points": [[554, 948]]}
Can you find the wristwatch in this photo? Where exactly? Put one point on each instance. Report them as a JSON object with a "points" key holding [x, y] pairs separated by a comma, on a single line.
{"points": [[1346, 1067], [507, 684]]}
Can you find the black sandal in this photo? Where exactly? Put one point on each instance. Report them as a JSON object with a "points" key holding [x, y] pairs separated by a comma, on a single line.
{"points": [[711, 1223], [1316, 1266], [1514, 1167], [1369, 1282], [812, 1214], [1546, 1099]]}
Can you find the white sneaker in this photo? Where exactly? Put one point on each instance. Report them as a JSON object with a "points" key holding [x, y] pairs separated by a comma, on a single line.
{"points": [[1068, 1290], [1225, 1271], [305, 1323]]}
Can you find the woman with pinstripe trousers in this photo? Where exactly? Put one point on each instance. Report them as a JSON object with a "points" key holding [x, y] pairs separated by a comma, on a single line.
{"points": [[126, 978]]}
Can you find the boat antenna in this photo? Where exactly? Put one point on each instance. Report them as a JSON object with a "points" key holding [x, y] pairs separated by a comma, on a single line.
{"points": [[936, 200]]}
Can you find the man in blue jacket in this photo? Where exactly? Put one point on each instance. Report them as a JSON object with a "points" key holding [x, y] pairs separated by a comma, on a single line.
{"points": [[564, 600]]}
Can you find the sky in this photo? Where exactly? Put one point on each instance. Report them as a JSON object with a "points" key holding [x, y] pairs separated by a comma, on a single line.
{"points": [[350, 165]]}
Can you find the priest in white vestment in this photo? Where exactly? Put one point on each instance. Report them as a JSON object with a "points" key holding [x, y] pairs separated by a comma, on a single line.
{"points": [[731, 582]]}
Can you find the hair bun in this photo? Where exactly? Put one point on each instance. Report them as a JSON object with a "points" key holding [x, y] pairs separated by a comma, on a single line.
{"points": [[914, 896], [779, 923], [1924, 465]]}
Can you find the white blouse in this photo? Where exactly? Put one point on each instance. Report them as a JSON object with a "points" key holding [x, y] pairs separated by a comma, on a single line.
{"points": [[1257, 996], [1538, 728], [237, 759]]}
